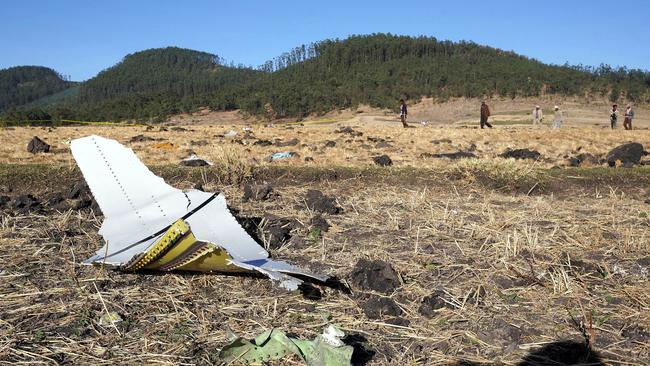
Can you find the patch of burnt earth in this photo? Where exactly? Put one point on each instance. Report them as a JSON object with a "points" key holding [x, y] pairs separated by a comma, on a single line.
{"points": [[24, 204], [268, 231], [141, 138], [377, 307], [521, 154], [452, 156], [319, 202], [375, 275], [382, 160], [350, 131], [257, 192]]}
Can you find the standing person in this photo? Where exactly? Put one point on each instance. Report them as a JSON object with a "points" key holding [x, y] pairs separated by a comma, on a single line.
{"points": [[403, 112], [557, 122], [629, 115], [537, 116], [613, 116], [485, 113]]}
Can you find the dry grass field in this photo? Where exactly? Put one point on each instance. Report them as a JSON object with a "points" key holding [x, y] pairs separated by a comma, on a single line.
{"points": [[495, 258]]}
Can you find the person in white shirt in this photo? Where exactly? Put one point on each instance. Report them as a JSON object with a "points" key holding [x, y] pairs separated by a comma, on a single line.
{"points": [[537, 116], [557, 121]]}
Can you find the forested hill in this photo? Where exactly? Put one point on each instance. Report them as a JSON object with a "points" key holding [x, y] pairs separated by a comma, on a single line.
{"points": [[375, 69], [23, 84], [379, 69]]}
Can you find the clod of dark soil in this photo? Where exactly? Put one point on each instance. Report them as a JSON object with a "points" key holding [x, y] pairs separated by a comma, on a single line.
{"points": [[521, 154], [257, 192], [383, 145], [583, 158], [36, 145], [140, 138], [277, 230], [330, 143], [292, 142], [308, 159], [79, 189], [319, 202], [431, 303], [271, 230], [81, 204], [647, 200], [4, 200], [375, 139], [627, 154], [194, 162], [319, 222], [179, 129], [382, 160], [263, 143], [349, 131], [374, 275], [198, 143], [563, 353], [452, 156], [441, 141], [25, 203], [376, 307]]}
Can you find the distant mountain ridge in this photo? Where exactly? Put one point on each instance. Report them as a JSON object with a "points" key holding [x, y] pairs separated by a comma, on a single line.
{"points": [[373, 69]]}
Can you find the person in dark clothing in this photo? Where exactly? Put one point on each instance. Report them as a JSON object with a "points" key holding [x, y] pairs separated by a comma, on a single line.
{"points": [[485, 113], [613, 116], [403, 111]]}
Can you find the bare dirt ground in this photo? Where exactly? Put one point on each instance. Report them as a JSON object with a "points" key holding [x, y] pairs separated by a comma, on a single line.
{"points": [[493, 258]]}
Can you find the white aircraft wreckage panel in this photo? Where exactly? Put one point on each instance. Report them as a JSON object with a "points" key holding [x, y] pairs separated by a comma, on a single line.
{"points": [[149, 224]]}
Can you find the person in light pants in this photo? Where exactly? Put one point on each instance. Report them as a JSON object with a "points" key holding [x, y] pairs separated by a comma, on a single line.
{"points": [[537, 116], [557, 121]]}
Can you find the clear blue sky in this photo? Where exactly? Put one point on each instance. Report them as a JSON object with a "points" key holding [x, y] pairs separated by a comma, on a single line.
{"points": [[80, 38]]}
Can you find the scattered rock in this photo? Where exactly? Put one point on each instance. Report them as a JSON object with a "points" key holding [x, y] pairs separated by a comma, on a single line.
{"points": [[374, 275], [140, 138], [319, 202], [36, 145], [431, 303], [292, 142], [584, 159], [348, 130], [521, 154], [627, 154], [377, 307], [194, 160], [452, 156], [330, 143], [319, 222], [382, 160], [263, 143], [257, 192]]}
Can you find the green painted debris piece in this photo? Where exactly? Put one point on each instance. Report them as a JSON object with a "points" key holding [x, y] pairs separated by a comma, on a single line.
{"points": [[325, 350]]}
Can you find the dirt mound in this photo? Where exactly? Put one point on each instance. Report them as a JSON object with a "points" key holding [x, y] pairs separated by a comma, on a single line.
{"points": [[320, 223], [382, 160], [521, 154], [375, 275], [626, 154], [319, 202], [36, 145]]}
